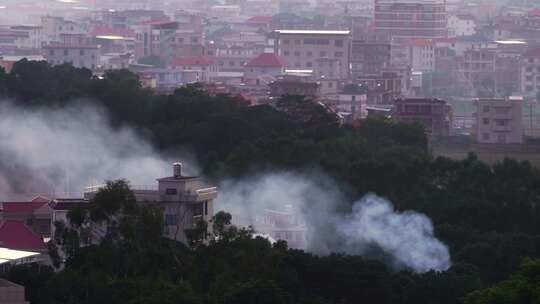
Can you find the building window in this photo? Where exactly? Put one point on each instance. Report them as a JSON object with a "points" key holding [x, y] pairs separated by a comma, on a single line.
{"points": [[81, 52], [322, 54], [297, 53], [206, 208], [338, 54], [309, 53], [285, 53], [485, 109], [486, 121], [171, 191], [286, 41], [297, 41], [309, 64], [51, 52], [339, 43], [485, 136], [66, 52]]}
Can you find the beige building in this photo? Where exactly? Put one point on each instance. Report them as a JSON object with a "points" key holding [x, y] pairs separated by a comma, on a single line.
{"points": [[183, 199], [79, 55], [324, 52], [499, 120], [11, 293]]}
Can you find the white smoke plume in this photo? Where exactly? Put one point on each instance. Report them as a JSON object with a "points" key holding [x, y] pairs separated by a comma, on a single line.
{"points": [[59, 152], [408, 236], [373, 228]]}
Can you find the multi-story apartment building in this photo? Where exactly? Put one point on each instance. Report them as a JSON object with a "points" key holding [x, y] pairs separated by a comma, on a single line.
{"points": [[382, 88], [53, 28], [476, 69], [422, 55], [156, 38], [369, 58], [499, 120], [183, 199], [311, 49], [461, 25], [399, 21], [34, 39], [79, 55], [433, 114], [530, 73], [406, 19]]}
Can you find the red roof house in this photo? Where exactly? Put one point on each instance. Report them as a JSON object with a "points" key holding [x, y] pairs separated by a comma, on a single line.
{"points": [[16, 235], [21, 207], [267, 60]]}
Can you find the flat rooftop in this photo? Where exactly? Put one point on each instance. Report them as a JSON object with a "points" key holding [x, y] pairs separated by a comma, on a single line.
{"points": [[312, 32]]}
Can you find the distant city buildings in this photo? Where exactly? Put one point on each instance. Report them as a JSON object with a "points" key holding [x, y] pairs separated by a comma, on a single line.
{"points": [[261, 49], [324, 52]]}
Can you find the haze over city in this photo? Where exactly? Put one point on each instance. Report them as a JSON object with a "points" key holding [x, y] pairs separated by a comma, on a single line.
{"points": [[269, 151]]}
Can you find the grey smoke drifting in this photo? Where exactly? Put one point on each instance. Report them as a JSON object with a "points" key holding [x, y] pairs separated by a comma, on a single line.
{"points": [[61, 151], [372, 228]]}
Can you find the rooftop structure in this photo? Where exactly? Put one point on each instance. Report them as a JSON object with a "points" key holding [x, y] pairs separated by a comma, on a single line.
{"points": [[433, 114]]}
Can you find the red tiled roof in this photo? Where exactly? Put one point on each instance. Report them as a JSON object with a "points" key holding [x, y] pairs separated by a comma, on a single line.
{"points": [[420, 42], [532, 53], [266, 60], [112, 31], [16, 235], [21, 207], [201, 60], [260, 19]]}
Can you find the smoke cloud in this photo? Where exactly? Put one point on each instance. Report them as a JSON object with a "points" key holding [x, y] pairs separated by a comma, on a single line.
{"points": [[59, 152], [371, 228]]}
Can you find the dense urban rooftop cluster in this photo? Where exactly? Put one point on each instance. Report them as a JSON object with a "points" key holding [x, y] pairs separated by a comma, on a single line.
{"points": [[456, 51]]}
